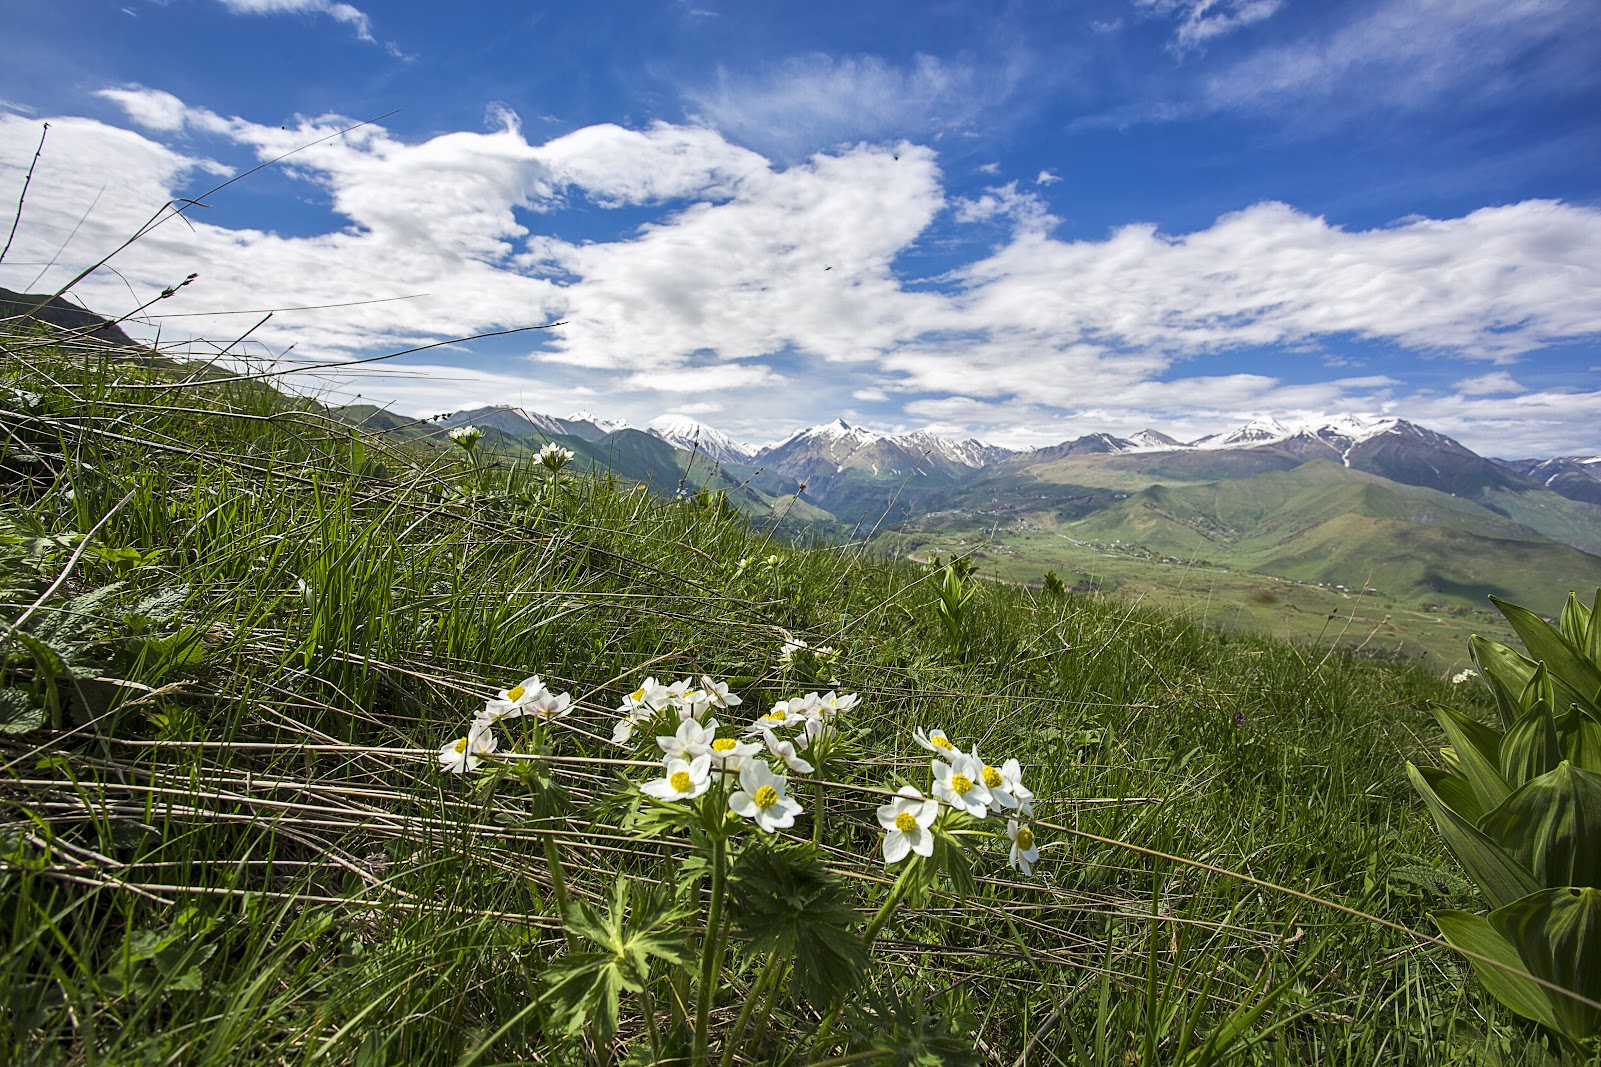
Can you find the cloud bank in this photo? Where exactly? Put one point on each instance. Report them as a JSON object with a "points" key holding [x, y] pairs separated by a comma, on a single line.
{"points": [[777, 292]]}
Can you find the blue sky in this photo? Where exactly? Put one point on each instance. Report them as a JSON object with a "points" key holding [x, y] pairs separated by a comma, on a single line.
{"points": [[1017, 221]]}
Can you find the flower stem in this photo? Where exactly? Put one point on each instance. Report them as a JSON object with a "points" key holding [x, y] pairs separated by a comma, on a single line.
{"points": [[767, 973], [711, 956], [558, 886]]}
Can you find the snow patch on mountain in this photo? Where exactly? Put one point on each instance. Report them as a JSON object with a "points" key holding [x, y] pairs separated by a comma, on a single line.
{"points": [[680, 431]]}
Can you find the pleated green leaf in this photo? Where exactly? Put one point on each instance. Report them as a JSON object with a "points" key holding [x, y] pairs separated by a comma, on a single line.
{"points": [[1454, 790], [1552, 827], [1499, 877], [1557, 934], [1478, 754], [1507, 672], [1574, 624], [1573, 675], [1473, 933], [1532, 747], [1581, 739]]}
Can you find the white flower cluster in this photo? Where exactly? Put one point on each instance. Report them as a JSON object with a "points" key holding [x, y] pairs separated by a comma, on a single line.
{"points": [[467, 436], [787, 652], [554, 456], [1464, 676], [527, 698], [695, 758], [965, 782]]}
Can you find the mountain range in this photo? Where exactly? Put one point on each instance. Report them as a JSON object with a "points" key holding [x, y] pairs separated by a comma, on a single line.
{"points": [[1349, 500]]}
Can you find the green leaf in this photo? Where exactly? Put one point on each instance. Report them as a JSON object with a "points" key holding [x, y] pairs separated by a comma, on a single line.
{"points": [[1581, 739], [1558, 935], [1454, 791], [1572, 674], [1473, 933], [1574, 625], [1531, 748], [18, 713], [1499, 877], [1478, 754], [1552, 827], [582, 988], [1507, 672]]}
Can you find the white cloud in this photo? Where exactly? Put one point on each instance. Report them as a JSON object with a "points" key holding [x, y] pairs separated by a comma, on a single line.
{"points": [[1202, 20], [150, 108], [814, 101], [1497, 382], [1047, 178], [1412, 52], [1004, 201], [339, 12], [750, 277], [989, 168]]}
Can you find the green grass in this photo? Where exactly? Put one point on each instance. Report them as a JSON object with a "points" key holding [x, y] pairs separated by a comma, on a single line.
{"points": [[225, 837]]}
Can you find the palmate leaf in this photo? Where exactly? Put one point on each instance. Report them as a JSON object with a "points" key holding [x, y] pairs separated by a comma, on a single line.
{"points": [[1552, 827], [1499, 877], [1557, 933], [1473, 933], [640, 923], [784, 900]]}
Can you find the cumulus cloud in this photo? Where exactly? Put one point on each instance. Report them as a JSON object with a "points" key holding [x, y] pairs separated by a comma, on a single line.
{"points": [[1047, 178], [1497, 382]]}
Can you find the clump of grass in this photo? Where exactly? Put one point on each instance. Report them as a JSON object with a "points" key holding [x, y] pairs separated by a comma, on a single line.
{"points": [[240, 633]]}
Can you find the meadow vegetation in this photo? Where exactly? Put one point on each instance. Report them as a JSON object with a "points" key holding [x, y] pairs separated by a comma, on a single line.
{"points": [[247, 816]]}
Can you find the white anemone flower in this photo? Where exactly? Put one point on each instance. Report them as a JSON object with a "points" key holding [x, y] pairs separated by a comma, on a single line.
{"points": [[763, 797], [787, 651], [690, 740], [906, 821], [730, 754], [835, 703], [513, 703], [785, 750], [1006, 787], [466, 753], [554, 456], [818, 731], [650, 697], [718, 694], [466, 436], [683, 780], [780, 717], [960, 784], [1025, 853], [936, 742], [550, 706]]}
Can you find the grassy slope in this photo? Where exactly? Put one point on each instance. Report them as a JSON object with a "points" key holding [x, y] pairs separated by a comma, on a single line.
{"points": [[171, 894]]}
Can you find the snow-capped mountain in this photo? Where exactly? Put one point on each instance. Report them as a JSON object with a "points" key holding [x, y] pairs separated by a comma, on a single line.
{"points": [[1256, 432], [602, 426], [1575, 477], [692, 436], [832, 449]]}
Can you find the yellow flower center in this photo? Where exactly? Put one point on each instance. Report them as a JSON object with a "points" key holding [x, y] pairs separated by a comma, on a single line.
{"points": [[940, 741], [515, 693], [775, 716], [637, 696], [961, 783], [724, 744], [992, 777], [460, 745], [765, 797], [680, 781], [1025, 838], [905, 822]]}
